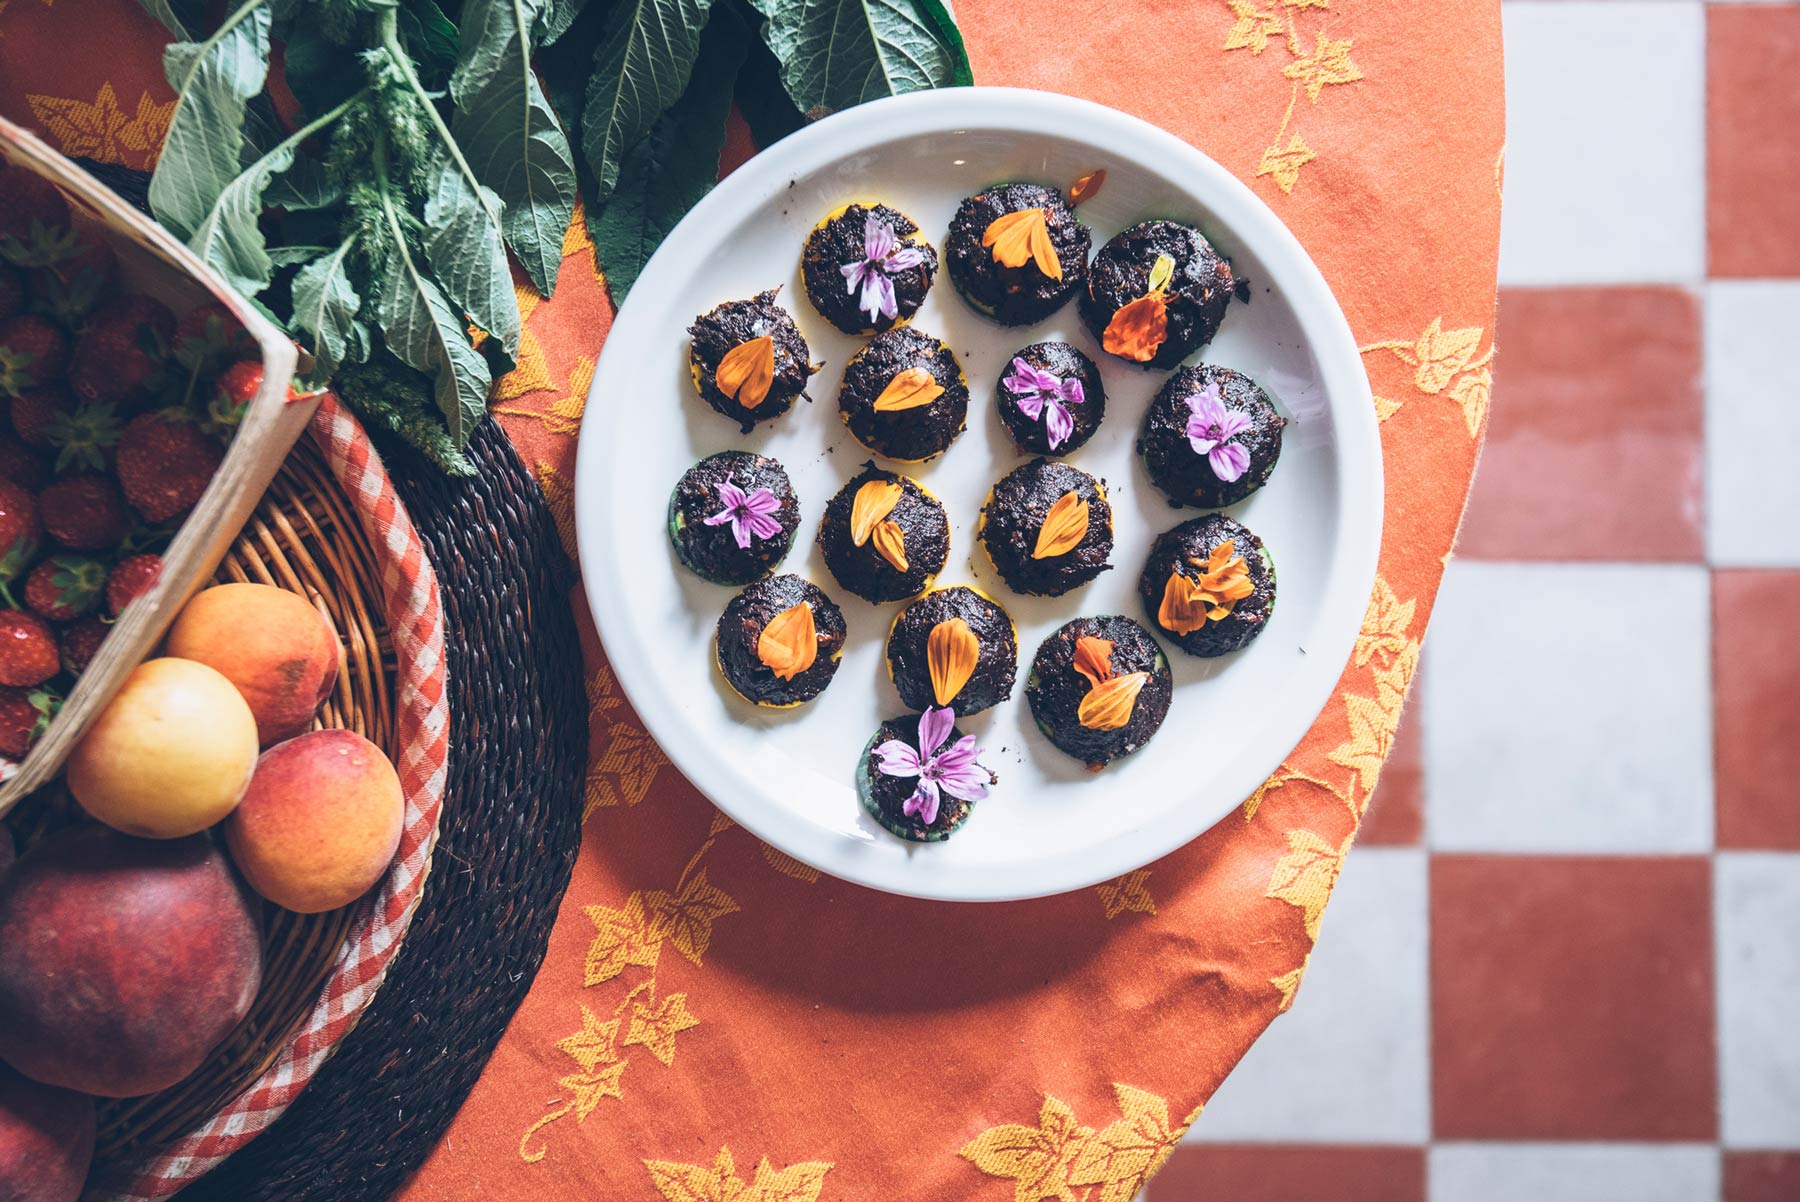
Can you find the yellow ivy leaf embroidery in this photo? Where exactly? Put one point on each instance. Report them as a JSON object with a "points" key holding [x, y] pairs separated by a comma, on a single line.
{"points": [[1385, 624], [1035, 1158], [721, 822], [719, 1182], [686, 919], [1393, 681], [563, 415], [1288, 984], [1385, 408], [1471, 392], [576, 239], [1253, 27], [593, 1044], [787, 865], [532, 373], [1254, 802], [1371, 738], [623, 773], [559, 495], [656, 1028], [1129, 892], [1121, 1156], [1285, 165], [796, 1183], [1328, 64], [1304, 876], [626, 937], [100, 129], [590, 1088]]}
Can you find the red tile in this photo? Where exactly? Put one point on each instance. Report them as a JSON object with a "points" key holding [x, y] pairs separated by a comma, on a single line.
{"points": [[1572, 998], [1753, 139], [1595, 444], [1756, 709], [1396, 813], [1287, 1172], [1761, 1177]]}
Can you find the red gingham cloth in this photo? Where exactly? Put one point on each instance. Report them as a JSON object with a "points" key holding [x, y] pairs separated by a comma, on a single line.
{"points": [[410, 595]]}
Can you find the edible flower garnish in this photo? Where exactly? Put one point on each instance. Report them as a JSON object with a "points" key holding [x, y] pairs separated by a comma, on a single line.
{"points": [[952, 769], [873, 501], [1064, 527], [750, 513], [1224, 581], [1093, 658], [1138, 330], [1210, 428], [951, 653], [1087, 186], [747, 371], [889, 542], [1109, 702], [788, 645], [1041, 393], [884, 256], [1023, 237], [908, 390]]}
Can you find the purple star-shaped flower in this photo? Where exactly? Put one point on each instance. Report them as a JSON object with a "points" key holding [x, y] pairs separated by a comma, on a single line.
{"points": [[748, 512], [952, 769], [1210, 428], [1038, 392], [883, 256]]}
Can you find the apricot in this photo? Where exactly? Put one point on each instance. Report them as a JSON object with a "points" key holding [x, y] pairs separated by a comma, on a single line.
{"points": [[46, 1140], [123, 962], [320, 822], [169, 755], [278, 650]]}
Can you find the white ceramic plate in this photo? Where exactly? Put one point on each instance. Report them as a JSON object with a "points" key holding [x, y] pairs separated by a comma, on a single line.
{"points": [[1049, 825]]}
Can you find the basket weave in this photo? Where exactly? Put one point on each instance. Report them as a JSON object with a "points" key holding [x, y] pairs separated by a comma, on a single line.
{"points": [[303, 538]]}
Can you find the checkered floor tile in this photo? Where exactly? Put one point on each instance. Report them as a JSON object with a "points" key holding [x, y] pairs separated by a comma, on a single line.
{"points": [[1563, 963]]}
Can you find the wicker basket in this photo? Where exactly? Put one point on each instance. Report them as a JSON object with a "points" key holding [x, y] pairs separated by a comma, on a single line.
{"points": [[304, 538]]}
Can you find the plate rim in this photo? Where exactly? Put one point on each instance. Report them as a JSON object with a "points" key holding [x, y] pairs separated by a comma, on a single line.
{"points": [[1362, 499]]}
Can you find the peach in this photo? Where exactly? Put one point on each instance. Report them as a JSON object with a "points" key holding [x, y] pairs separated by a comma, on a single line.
{"points": [[169, 755], [320, 822], [46, 1140], [278, 650], [123, 962]]}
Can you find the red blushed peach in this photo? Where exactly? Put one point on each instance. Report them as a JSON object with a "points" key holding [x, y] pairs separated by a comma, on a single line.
{"points": [[320, 822], [46, 1140], [277, 649], [123, 962]]}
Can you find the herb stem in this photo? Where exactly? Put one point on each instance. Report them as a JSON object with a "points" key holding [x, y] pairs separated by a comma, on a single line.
{"points": [[388, 29]]}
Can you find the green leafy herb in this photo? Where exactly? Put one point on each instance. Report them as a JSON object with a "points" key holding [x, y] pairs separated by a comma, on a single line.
{"points": [[641, 67], [213, 80], [836, 53], [326, 306]]}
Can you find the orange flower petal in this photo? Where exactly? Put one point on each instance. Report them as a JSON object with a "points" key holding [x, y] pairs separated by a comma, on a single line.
{"points": [[1184, 606], [1093, 658], [1023, 237], [1087, 186], [1221, 555], [890, 543], [1138, 330], [789, 644], [1064, 527], [873, 502], [1108, 705], [908, 390], [747, 371], [951, 653]]}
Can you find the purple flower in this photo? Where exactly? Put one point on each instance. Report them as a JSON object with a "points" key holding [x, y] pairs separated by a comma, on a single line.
{"points": [[749, 513], [883, 256], [1211, 427], [952, 769], [1039, 392]]}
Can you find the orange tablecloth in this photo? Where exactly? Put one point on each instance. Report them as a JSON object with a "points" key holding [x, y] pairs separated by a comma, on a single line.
{"points": [[715, 1021]]}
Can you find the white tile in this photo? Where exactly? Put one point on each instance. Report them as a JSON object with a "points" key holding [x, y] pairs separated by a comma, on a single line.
{"points": [[1756, 909], [1573, 1173], [1605, 162], [1349, 1062], [1753, 424], [1568, 708]]}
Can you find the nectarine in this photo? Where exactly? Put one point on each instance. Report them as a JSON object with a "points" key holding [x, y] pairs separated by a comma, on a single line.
{"points": [[123, 962], [46, 1140], [169, 755], [278, 650], [320, 821]]}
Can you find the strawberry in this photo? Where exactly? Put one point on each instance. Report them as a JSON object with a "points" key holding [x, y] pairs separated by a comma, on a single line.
{"points": [[34, 414], [69, 288], [20, 464], [233, 392], [12, 293], [165, 462], [84, 438], [34, 218], [130, 579], [19, 530], [64, 587], [24, 713], [80, 642], [28, 652], [210, 335], [33, 352], [118, 359], [84, 512]]}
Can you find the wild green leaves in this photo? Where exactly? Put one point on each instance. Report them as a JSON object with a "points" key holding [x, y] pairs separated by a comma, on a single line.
{"points": [[641, 67], [327, 309], [214, 79], [836, 53]]}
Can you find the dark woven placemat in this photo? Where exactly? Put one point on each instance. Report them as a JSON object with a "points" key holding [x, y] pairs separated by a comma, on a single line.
{"points": [[506, 845]]}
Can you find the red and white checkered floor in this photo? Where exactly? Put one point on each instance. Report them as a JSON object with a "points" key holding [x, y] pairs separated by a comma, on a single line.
{"points": [[1563, 962]]}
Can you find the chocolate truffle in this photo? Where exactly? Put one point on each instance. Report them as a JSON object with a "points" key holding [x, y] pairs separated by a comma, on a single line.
{"points": [[732, 517], [1017, 252], [1208, 585], [904, 396], [1210, 438], [1156, 294], [779, 641], [956, 647], [867, 269], [1099, 688], [1047, 528], [763, 355]]}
